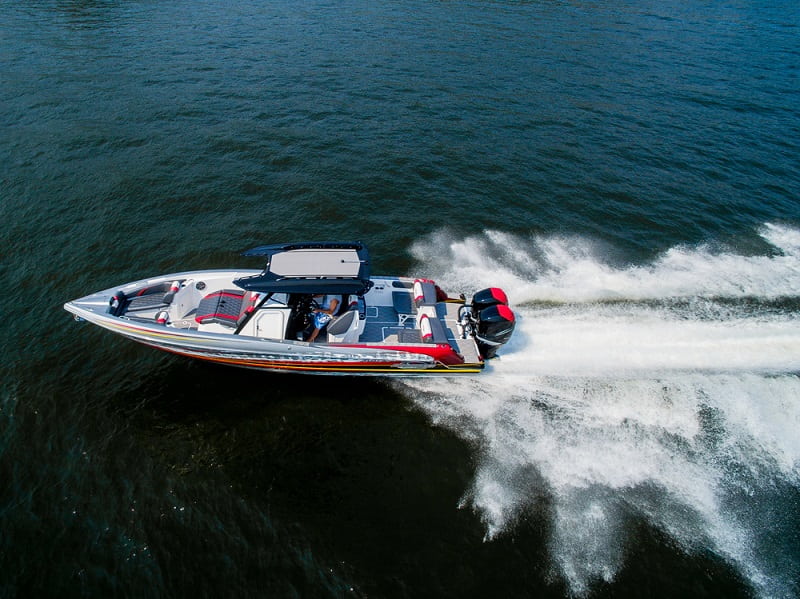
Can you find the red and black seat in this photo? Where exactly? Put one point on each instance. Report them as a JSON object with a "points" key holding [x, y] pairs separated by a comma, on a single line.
{"points": [[223, 307]]}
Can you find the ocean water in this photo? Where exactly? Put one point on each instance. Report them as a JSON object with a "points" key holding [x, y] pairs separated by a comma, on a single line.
{"points": [[628, 172]]}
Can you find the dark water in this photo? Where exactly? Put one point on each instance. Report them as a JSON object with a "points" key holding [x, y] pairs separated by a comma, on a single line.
{"points": [[629, 172]]}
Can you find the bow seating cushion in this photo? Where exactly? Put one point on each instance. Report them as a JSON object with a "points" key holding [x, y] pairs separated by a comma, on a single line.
{"points": [[223, 307]]}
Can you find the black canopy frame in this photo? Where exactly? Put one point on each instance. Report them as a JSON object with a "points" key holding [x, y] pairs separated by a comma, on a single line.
{"points": [[343, 268]]}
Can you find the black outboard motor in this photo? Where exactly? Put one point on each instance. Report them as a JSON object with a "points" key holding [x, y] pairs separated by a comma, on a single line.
{"points": [[487, 297], [494, 319]]}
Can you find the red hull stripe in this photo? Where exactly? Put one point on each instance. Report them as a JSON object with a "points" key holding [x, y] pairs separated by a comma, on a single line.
{"points": [[441, 352], [351, 367]]}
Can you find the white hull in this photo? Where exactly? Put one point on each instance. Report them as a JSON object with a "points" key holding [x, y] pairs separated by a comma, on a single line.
{"points": [[262, 318], [379, 356]]}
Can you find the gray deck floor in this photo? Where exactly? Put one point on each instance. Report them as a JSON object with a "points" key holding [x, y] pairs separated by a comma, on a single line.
{"points": [[382, 325], [382, 322]]}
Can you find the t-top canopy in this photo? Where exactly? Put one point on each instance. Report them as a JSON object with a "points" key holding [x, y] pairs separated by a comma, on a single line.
{"points": [[311, 267]]}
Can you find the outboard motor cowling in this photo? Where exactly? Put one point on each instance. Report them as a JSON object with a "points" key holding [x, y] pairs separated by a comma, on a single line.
{"points": [[487, 297], [495, 324]]}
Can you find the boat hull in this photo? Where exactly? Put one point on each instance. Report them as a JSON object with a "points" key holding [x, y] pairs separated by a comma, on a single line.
{"points": [[377, 359]]}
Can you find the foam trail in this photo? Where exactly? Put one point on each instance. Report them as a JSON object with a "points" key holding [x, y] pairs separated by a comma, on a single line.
{"points": [[569, 269], [607, 340], [616, 401]]}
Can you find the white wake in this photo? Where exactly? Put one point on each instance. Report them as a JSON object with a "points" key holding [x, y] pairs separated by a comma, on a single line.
{"points": [[666, 391]]}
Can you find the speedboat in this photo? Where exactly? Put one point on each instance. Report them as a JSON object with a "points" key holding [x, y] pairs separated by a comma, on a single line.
{"points": [[265, 319]]}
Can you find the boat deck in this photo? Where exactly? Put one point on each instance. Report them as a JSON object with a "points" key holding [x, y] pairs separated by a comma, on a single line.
{"points": [[383, 326], [390, 314], [382, 322]]}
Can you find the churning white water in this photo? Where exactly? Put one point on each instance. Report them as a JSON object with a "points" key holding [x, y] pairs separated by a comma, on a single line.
{"points": [[667, 391]]}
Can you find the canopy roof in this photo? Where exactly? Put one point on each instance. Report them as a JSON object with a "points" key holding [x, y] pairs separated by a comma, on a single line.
{"points": [[311, 267]]}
